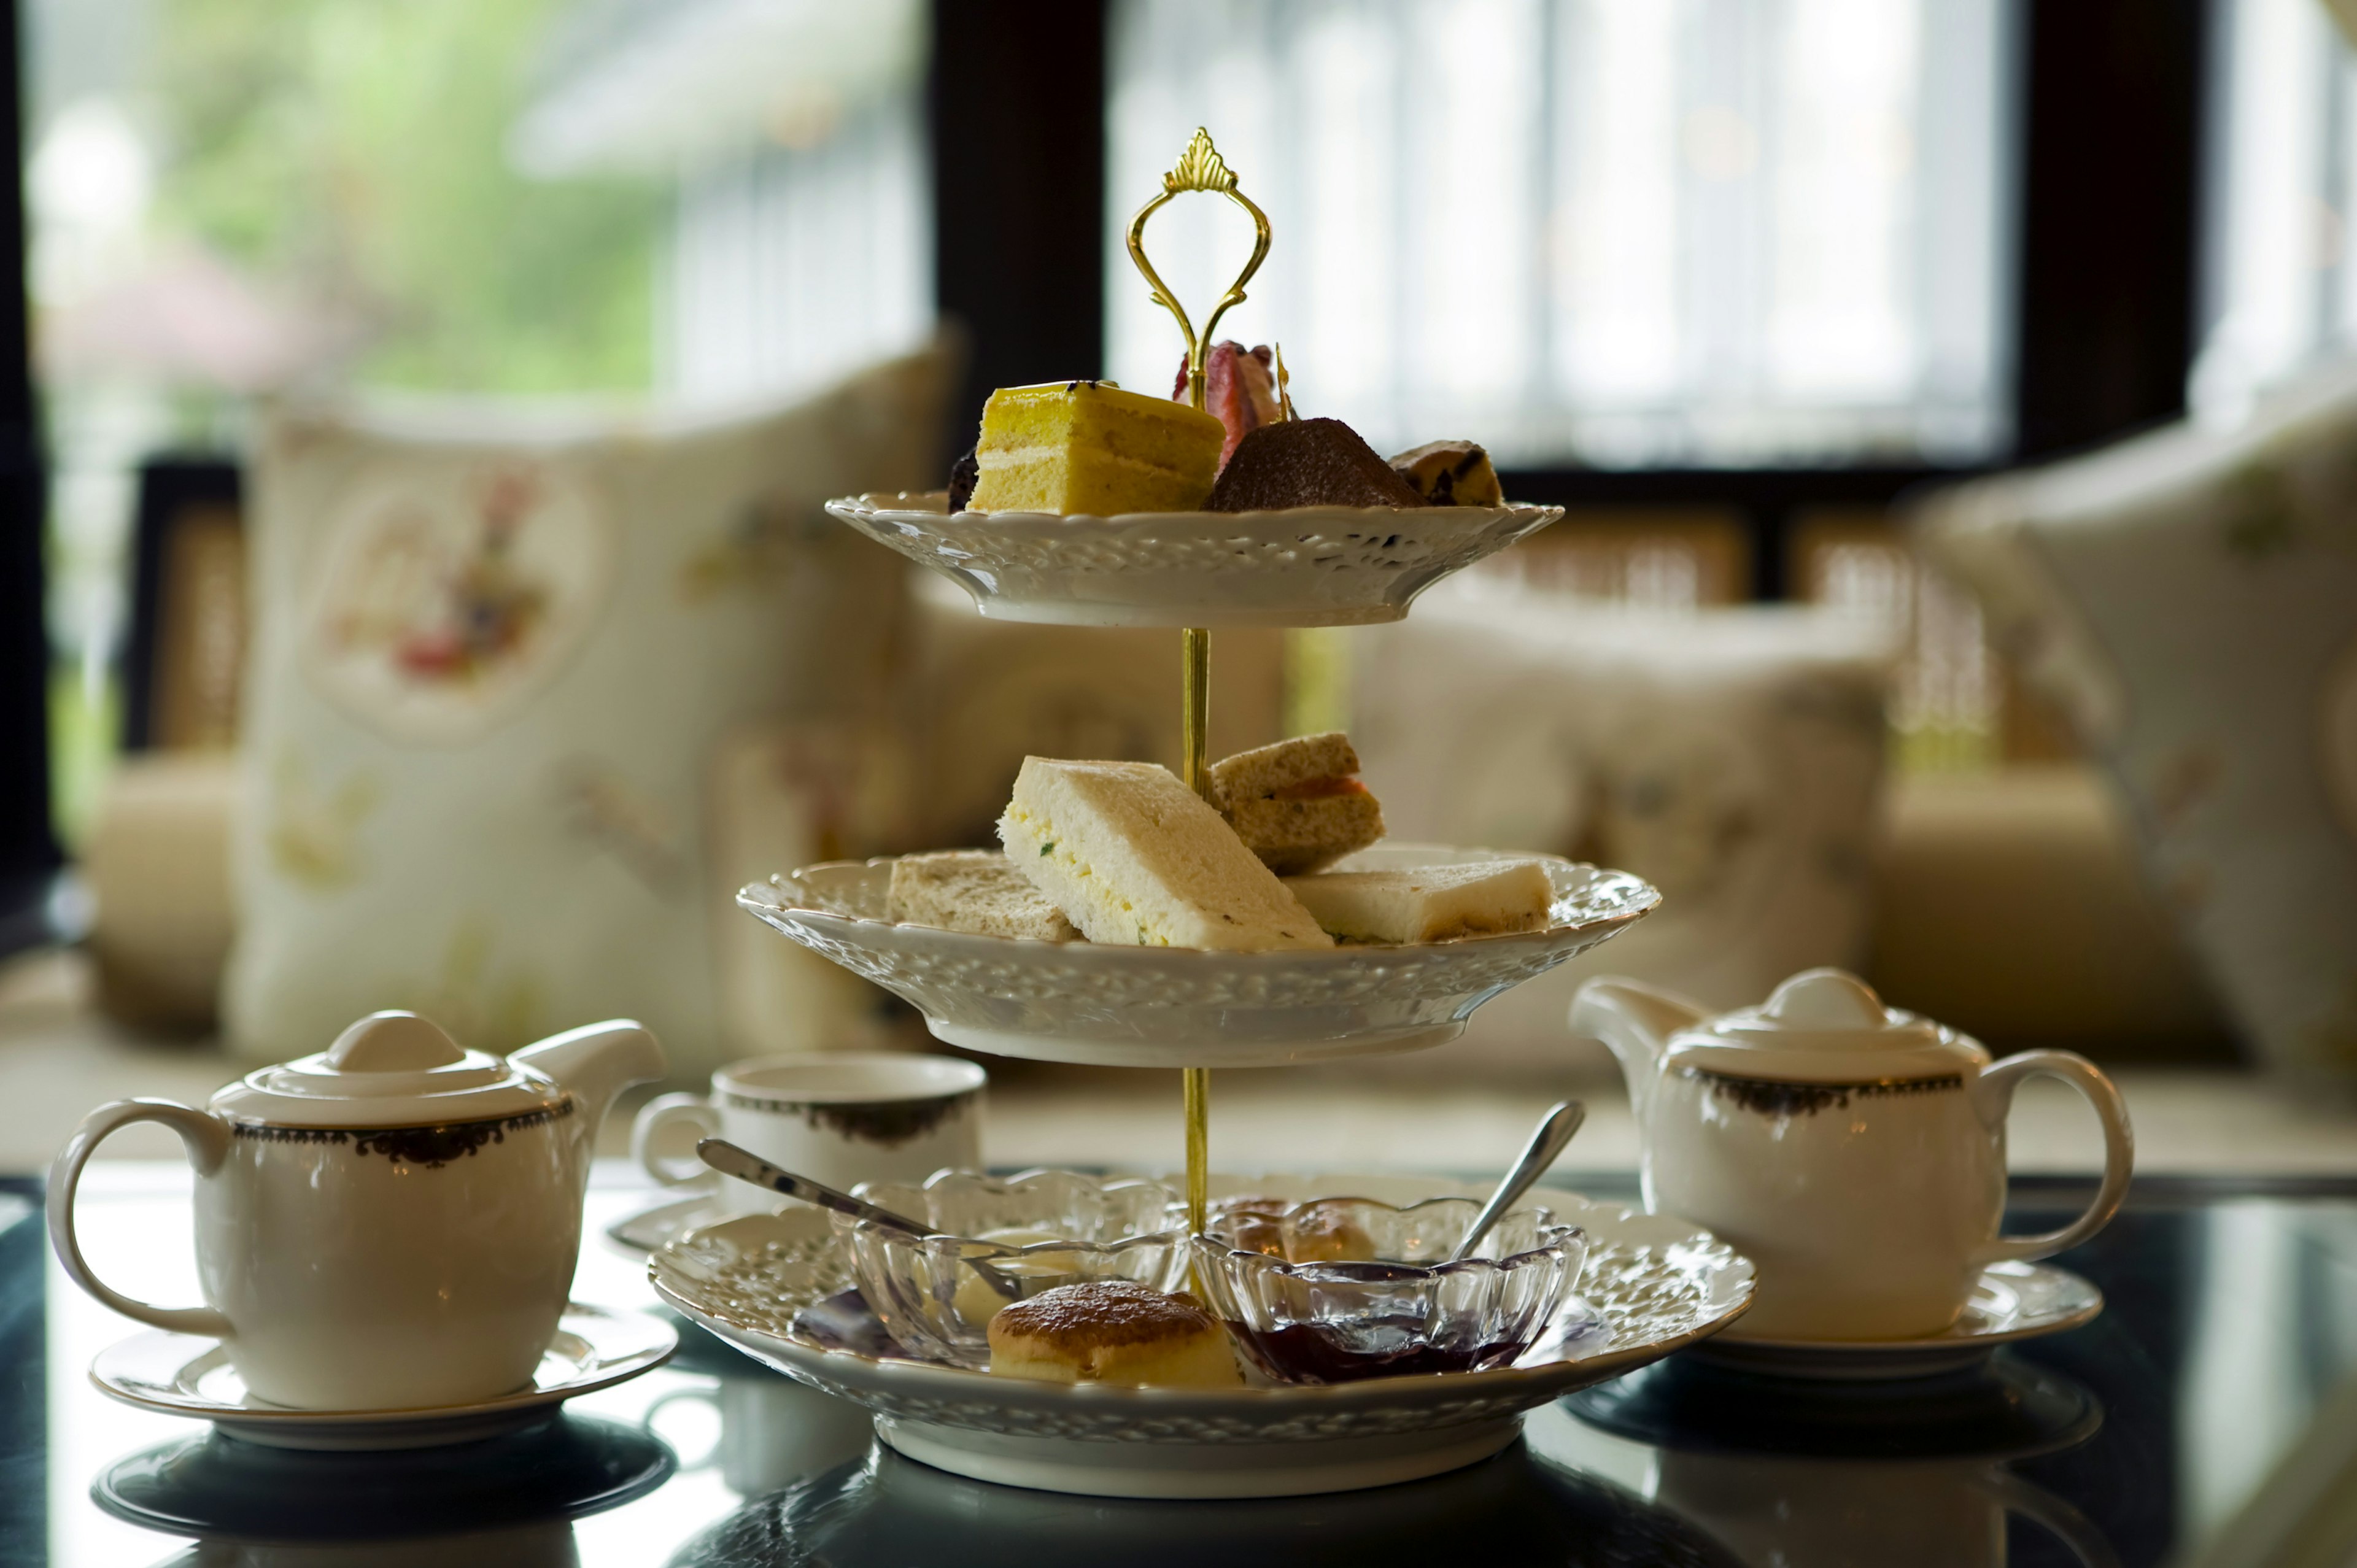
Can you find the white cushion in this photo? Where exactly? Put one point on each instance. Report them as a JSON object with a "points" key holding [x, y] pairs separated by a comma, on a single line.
{"points": [[503, 670], [2189, 598], [1730, 756]]}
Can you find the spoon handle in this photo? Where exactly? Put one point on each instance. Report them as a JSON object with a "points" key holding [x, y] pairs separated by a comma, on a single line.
{"points": [[1546, 1145], [745, 1166]]}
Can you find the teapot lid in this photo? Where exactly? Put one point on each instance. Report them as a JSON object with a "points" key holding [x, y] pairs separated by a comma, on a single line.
{"points": [[390, 1069], [1826, 1025]]}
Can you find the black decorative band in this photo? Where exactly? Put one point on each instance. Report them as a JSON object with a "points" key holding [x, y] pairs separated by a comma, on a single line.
{"points": [[890, 1123], [1769, 1097], [428, 1147]]}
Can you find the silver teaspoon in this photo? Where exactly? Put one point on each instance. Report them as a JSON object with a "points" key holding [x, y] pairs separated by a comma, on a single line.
{"points": [[1554, 1133], [745, 1166]]}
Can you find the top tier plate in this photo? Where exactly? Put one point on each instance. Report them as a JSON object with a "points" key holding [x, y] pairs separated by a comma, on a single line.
{"points": [[1305, 566]]}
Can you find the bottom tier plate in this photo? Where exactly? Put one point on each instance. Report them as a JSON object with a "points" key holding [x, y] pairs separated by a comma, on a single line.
{"points": [[1653, 1284]]}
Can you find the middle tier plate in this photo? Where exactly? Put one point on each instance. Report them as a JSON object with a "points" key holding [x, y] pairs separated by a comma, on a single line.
{"points": [[1105, 1005]]}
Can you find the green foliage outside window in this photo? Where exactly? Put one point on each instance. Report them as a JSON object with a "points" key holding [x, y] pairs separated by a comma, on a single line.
{"points": [[355, 150]]}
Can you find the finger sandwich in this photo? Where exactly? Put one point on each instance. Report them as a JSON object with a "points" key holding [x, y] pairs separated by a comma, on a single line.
{"points": [[974, 890], [1298, 805], [1428, 903], [1132, 857]]}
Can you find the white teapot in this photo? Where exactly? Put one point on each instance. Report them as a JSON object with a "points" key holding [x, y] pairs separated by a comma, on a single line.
{"points": [[392, 1223], [1855, 1153]]}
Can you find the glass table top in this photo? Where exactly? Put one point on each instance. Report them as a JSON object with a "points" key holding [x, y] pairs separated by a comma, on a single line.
{"points": [[2208, 1416]]}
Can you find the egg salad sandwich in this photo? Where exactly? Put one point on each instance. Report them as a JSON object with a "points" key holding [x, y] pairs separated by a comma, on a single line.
{"points": [[1132, 857], [976, 890], [1298, 805], [1428, 903]]}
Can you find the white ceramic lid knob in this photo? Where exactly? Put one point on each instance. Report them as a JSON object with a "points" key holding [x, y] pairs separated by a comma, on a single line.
{"points": [[1826, 999], [393, 1042]]}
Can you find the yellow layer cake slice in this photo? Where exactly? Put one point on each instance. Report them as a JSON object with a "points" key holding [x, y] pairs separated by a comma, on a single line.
{"points": [[1089, 446]]}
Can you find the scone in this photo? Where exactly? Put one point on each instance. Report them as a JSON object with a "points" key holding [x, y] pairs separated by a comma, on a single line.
{"points": [[973, 891], [1312, 1232], [1430, 903], [1298, 805], [1113, 1331], [1132, 857]]}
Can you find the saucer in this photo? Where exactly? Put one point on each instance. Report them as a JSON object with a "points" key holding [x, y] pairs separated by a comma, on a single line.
{"points": [[187, 1374], [219, 1487], [645, 1232], [2006, 1409], [2011, 1302]]}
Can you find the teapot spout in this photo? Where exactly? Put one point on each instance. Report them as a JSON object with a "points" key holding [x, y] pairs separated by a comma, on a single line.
{"points": [[1635, 1022], [595, 1063]]}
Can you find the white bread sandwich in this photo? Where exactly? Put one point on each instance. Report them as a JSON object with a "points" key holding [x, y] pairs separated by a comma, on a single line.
{"points": [[1430, 903], [1131, 856], [1298, 805], [976, 890]]}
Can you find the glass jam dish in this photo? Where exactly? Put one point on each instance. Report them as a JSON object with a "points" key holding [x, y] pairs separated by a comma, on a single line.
{"points": [[1338, 1289], [1028, 1233]]}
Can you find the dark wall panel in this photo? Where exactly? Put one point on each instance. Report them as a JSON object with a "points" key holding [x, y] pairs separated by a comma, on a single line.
{"points": [[1018, 165], [2110, 175]]}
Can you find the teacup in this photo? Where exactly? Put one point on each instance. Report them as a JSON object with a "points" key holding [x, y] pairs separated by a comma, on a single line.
{"points": [[840, 1117]]}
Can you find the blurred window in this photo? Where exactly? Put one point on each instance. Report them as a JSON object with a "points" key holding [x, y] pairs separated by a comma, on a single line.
{"points": [[229, 199], [793, 134], [1620, 233], [2281, 280]]}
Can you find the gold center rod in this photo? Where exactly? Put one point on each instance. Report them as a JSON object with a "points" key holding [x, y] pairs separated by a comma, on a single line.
{"points": [[1195, 767]]}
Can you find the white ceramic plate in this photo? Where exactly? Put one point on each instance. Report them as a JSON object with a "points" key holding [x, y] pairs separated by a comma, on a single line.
{"points": [[1136, 1006], [186, 1374], [1659, 1284], [2011, 1302], [1305, 566]]}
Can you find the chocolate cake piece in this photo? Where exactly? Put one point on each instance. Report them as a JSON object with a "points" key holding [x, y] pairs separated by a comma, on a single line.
{"points": [[1307, 462], [964, 474]]}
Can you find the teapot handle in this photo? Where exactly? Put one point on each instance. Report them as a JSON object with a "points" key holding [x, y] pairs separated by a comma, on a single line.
{"points": [[1993, 1095], [206, 1138]]}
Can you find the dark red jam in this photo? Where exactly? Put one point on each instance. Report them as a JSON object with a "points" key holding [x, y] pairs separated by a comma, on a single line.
{"points": [[1368, 1348]]}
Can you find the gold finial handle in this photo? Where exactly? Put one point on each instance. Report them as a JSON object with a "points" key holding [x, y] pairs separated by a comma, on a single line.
{"points": [[1200, 167]]}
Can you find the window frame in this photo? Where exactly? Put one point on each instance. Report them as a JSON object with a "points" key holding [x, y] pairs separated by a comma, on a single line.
{"points": [[2108, 267]]}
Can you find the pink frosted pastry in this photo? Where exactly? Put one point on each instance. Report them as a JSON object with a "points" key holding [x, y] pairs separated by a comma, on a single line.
{"points": [[1239, 387]]}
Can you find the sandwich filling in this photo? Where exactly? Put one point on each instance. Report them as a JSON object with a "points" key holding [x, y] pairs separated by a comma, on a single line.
{"points": [[1299, 803], [1132, 857]]}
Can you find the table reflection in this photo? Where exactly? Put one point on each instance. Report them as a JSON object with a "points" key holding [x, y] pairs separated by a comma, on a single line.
{"points": [[2194, 1424], [1518, 1507], [548, 1544]]}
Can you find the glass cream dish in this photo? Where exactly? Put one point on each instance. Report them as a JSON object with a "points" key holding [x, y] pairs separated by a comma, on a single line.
{"points": [[1339, 1289], [1000, 1240]]}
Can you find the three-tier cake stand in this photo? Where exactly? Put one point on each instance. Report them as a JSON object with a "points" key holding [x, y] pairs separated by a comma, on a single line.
{"points": [[1652, 1282]]}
